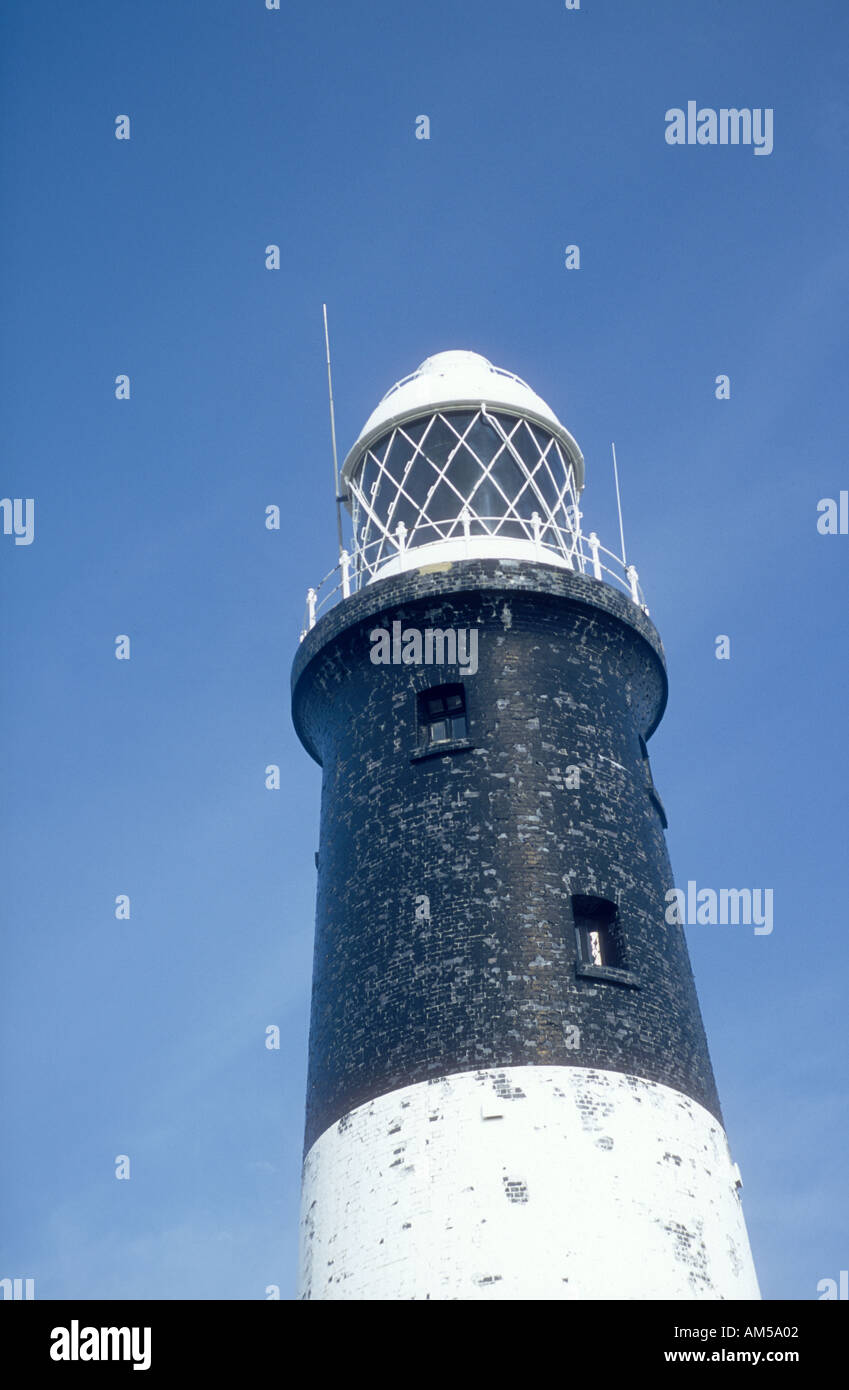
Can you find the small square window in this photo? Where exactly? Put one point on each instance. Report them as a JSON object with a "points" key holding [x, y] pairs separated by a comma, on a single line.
{"points": [[442, 715]]}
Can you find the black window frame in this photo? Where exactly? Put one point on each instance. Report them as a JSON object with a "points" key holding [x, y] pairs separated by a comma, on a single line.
{"points": [[455, 738], [443, 706], [597, 917]]}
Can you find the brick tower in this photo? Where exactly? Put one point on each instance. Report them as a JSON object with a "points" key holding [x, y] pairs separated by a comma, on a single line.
{"points": [[510, 1094]]}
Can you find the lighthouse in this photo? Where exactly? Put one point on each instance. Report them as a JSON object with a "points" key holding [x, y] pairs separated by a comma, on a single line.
{"points": [[510, 1094]]}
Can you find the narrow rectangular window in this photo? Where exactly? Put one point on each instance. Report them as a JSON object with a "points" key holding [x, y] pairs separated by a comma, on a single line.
{"points": [[597, 931]]}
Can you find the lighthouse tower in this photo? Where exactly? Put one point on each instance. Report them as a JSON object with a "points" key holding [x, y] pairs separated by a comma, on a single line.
{"points": [[510, 1094]]}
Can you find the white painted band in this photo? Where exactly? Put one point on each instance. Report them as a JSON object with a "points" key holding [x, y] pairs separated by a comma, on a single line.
{"points": [[525, 1183]]}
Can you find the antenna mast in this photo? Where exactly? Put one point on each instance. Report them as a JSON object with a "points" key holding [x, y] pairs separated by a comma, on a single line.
{"points": [[619, 506], [333, 435]]}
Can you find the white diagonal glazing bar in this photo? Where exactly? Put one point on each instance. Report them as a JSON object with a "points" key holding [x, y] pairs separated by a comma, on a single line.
{"points": [[544, 484]]}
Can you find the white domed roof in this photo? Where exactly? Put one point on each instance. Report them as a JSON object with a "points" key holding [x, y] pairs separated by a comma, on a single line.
{"points": [[460, 380]]}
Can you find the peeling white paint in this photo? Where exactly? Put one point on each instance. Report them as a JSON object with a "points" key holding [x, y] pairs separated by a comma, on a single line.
{"points": [[525, 1183]]}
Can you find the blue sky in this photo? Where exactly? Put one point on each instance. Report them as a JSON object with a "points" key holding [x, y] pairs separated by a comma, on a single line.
{"points": [[145, 777]]}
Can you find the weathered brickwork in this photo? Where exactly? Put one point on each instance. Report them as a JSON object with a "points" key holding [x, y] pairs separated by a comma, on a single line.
{"points": [[495, 837]]}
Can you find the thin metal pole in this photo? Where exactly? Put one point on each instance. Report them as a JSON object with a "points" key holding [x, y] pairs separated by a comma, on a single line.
{"points": [[619, 505], [333, 435]]}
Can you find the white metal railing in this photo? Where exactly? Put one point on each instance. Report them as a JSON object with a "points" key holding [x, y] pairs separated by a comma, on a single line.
{"points": [[571, 549], [495, 371]]}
